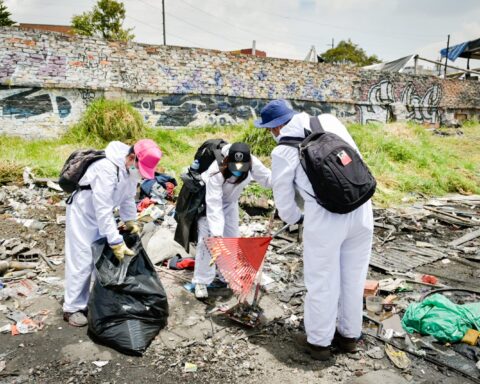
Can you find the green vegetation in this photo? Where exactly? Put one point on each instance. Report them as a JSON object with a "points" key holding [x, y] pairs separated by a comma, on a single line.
{"points": [[346, 52], [408, 160], [107, 120], [5, 16], [105, 21], [260, 140]]}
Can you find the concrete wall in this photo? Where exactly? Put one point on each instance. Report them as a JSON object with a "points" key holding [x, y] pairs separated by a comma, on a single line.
{"points": [[48, 79]]}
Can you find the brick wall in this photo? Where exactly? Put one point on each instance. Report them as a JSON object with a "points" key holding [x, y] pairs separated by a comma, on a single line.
{"points": [[47, 80]]}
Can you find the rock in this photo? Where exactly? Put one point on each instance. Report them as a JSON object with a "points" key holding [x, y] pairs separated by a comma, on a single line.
{"points": [[376, 353], [376, 377], [87, 351]]}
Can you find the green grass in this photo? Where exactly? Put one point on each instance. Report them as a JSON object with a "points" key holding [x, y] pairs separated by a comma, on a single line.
{"points": [[407, 159], [107, 120]]}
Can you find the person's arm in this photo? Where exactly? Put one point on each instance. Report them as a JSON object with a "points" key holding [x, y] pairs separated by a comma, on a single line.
{"points": [[127, 208], [214, 203], [261, 173], [103, 187], [284, 165]]}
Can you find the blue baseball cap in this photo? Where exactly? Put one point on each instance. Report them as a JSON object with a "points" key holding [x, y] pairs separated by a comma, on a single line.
{"points": [[275, 113]]}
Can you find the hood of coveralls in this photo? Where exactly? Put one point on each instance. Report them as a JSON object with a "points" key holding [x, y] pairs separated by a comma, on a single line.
{"points": [[116, 152], [296, 126]]}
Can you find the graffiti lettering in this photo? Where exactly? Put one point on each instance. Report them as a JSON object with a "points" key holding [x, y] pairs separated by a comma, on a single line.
{"points": [[381, 95]]}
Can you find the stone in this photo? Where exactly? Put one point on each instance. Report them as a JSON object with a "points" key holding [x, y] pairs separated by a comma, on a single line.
{"points": [[376, 377], [86, 351]]}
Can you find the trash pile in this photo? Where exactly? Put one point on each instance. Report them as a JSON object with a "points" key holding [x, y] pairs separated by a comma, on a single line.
{"points": [[29, 254], [422, 308]]}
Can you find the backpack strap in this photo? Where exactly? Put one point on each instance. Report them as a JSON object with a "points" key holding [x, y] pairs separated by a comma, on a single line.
{"points": [[88, 187], [315, 125], [218, 155], [290, 141]]}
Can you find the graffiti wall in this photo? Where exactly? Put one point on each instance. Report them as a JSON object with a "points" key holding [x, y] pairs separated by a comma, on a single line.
{"points": [[201, 110], [381, 103], [47, 80], [40, 113]]}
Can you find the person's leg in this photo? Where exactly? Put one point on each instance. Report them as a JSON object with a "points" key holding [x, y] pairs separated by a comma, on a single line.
{"points": [[230, 229], [204, 273], [354, 258], [231, 220], [80, 232], [322, 236]]}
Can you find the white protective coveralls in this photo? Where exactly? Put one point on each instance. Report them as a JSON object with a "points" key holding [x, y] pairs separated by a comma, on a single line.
{"points": [[337, 247], [90, 217], [222, 211]]}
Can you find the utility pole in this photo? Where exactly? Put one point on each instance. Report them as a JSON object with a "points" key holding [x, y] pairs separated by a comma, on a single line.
{"points": [[446, 58], [333, 45], [163, 17]]}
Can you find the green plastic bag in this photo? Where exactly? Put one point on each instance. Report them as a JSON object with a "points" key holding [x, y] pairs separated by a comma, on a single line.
{"points": [[439, 317]]}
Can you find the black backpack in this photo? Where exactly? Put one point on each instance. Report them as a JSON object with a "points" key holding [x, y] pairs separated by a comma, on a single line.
{"points": [[208, 152], [340, 179], [76, 166]]}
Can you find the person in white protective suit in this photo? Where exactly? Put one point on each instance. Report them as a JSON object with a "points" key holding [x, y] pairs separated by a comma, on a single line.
{"points": [[337, 247], [224, 184], [107, 183]]}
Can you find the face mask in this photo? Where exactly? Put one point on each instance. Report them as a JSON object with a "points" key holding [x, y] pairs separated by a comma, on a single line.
{"points": [[237, 173], [134, 173], [276, 138]]}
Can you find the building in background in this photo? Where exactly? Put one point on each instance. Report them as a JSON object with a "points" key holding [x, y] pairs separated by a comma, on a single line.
{"points": [[67, 29]]}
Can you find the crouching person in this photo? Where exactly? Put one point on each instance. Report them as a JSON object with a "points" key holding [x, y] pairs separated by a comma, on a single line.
{"points": [[107, 183], [224, 184]]}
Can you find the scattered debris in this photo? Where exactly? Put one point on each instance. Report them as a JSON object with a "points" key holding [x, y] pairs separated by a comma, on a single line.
{"points": [[411, 245], [398, 358], [190, 367], [100, 363]]}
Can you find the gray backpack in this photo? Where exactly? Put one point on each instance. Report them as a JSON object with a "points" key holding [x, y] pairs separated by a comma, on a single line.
{"points": [[76, 166]]}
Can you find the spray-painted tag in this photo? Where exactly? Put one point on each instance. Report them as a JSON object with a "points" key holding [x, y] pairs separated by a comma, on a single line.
{"points": [[344, 158]]}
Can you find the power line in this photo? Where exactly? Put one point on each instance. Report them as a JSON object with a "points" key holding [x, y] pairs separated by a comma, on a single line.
{"points": [[302, 37], [158, 29], [204, 30], [193, 25]]}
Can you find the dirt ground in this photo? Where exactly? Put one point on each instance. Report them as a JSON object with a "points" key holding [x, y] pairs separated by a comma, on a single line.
{"points": [[223, 351]]}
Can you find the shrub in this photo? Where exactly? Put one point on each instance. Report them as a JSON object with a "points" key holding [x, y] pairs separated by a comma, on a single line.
{"points": [[109, 120]]}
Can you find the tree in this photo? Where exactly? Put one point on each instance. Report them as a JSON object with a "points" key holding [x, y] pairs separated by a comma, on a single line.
{"points": [[346, 52], [105, 20], [5, 20]]}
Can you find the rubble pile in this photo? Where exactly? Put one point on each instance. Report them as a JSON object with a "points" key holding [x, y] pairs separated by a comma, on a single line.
{"points": [[420, 251]]}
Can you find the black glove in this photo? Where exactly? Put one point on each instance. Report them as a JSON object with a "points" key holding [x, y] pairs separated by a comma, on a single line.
{"points": [[300, 221]]}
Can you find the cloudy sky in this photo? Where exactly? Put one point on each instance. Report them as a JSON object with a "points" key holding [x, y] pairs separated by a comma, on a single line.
{"points": [[388, 28]]}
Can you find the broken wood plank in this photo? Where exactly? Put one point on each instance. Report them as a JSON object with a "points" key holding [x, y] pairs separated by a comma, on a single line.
{"points": [[458, 220], [385, 226], [465, 238], [288, 238], [287, 248], [464, 262]]}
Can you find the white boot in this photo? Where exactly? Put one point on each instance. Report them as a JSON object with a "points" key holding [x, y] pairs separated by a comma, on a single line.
{"points": [[201, 291]]}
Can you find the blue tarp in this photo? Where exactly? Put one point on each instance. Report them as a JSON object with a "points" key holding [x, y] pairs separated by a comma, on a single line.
{"points": [[455, 51]]}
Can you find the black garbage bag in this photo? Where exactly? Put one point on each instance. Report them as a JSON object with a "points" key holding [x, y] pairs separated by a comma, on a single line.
{"points": [[128, 305]]}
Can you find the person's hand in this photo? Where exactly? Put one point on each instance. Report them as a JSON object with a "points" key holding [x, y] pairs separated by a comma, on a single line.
{"points": [[132, 227], [120, 250], [300, 221]]}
